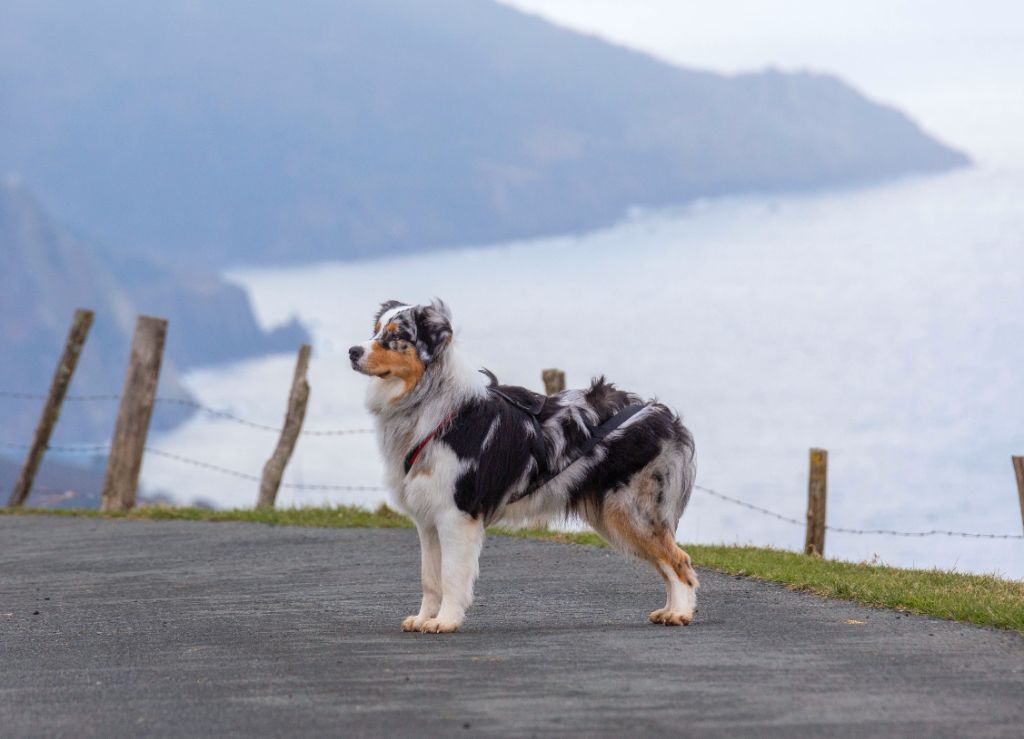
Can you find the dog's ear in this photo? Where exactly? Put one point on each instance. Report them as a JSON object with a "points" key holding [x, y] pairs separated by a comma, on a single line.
{"points": [[433, 330], [384, 308]]}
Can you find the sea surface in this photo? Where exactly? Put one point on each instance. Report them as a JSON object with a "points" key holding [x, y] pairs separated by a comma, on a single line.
{"points": [[885, 324]]}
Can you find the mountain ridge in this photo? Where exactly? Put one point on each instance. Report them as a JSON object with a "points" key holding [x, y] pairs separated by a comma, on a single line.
{"points": [[46, 273], [248, 133]]}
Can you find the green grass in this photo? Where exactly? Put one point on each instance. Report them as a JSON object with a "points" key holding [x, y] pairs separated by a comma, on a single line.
{"points": [[342, 517], [979, 599]]}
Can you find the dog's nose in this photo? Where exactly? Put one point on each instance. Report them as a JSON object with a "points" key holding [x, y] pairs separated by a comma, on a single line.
{"points": [[355, 353]]}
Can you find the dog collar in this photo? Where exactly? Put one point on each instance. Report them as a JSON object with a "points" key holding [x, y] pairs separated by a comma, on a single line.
{"points": [[410, 458]]}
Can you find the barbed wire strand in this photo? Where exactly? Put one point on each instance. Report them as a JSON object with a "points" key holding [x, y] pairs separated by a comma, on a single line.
{"points": [[88, 449], [751, 506], [254, 478], [185, 402], [66, 449], [844, 530], [260, 426]]}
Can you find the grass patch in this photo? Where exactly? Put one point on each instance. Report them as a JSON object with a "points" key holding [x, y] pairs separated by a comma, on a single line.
{"points": [[341, 517], [979, 599], [584, 538]]}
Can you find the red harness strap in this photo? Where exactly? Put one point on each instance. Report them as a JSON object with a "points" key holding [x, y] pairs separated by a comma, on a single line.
{"points": [[410, 458]]}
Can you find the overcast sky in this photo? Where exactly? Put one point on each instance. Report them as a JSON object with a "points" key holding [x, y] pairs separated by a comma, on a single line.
{"points": [[957, 66]]}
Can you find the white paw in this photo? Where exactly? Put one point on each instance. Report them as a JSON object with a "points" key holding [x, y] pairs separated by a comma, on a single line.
{"points": [[437, 626], [671, 618], [412, 623]]}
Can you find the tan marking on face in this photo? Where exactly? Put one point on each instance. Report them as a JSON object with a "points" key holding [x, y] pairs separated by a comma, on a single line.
{"points": [[405, 365], [391, 327]]}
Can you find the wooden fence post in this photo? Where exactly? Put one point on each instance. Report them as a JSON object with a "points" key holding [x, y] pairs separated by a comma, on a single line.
{"points": [[817, 490], [273, 470], [129, 440], [80, 325], [554, 381], [1018, 468]]}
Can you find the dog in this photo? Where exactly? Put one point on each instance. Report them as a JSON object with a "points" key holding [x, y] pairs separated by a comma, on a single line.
{"points": [[462, 452]]}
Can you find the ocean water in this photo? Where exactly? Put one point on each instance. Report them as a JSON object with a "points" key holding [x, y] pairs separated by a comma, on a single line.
{"points": [[885, 324]]}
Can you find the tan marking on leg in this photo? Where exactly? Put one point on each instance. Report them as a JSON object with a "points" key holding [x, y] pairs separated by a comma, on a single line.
{"points": [[657, 548], [684, 566], [650, 548]]}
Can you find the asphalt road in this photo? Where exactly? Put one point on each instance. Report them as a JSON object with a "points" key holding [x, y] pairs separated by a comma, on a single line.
{"points": [[122, 628]]}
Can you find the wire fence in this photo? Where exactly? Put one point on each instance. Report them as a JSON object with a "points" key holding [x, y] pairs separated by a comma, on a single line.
{"points": [[209, 466], [200, 464]]}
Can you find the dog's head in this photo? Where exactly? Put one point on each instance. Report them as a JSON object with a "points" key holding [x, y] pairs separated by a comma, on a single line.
{"points": [[407, 340]]}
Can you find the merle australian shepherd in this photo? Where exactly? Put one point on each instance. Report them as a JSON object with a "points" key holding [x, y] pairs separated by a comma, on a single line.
{"points": [[462, 452]]}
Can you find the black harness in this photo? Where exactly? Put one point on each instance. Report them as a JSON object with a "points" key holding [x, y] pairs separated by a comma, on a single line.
{"points": [[538, 449], [597, 435]]}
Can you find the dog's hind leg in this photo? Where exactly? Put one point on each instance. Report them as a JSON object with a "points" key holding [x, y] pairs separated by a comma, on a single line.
{"points": [[461, 537], [650, 539], [680, 586], [430, 575]]}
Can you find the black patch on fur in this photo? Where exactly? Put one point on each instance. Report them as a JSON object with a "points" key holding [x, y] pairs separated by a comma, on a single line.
{"points": [[384, 308], [482, 488], [507, 465], [433, 329], [626, 455], [404, 330], [427, 327]]}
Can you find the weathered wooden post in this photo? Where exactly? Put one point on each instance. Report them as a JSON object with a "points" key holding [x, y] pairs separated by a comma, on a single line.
{"points": [[129, 440], [1018, 468], [554, 381], [80, 325], [817, 490], [273, 470]]}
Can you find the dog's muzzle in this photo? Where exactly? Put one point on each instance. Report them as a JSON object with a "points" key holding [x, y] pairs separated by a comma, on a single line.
{"points": [[355, 355]]}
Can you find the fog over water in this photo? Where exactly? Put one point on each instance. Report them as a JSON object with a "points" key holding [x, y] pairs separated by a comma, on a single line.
{"points": [[884, 324]]}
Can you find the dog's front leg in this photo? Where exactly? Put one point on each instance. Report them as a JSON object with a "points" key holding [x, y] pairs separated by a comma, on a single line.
{"points": [[461, 538], [430, 575]]}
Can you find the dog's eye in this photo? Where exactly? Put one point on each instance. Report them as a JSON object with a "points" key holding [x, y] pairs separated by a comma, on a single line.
{"points": [[402, 345]]}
